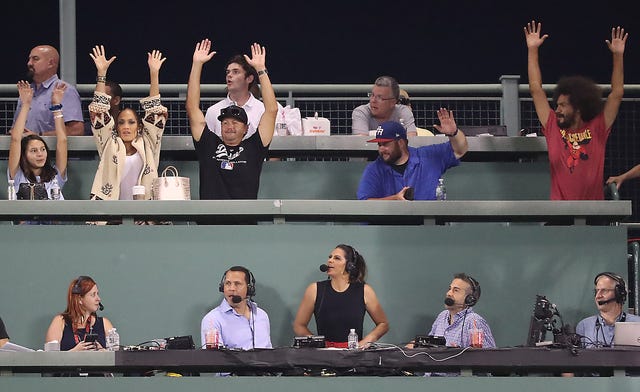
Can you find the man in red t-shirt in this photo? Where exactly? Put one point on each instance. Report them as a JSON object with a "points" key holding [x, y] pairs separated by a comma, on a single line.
{"points": [[578, 129]]}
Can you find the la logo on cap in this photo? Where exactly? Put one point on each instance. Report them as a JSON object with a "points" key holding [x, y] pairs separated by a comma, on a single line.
{"points": [[379, 131]]}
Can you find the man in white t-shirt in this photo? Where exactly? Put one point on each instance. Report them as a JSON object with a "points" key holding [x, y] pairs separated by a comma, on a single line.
{"points": [[242, 84]]}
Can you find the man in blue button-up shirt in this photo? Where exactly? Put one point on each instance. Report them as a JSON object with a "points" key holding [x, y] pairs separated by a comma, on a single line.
{"points": [[240, 323], [400, 167]]}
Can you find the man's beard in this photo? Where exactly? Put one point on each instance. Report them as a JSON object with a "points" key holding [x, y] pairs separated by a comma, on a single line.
{"points": [[29, 75], [565, 122]]}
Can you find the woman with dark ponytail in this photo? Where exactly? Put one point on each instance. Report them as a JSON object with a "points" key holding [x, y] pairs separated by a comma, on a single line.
{"points": [[340, 302]]}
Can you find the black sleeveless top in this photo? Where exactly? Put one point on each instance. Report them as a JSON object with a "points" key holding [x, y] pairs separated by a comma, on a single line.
{"points": [[336, 312], [68, 340]]}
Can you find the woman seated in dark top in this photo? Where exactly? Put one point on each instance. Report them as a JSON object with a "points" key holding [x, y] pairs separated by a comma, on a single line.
{"points": [[339, 303], [79, 319]]}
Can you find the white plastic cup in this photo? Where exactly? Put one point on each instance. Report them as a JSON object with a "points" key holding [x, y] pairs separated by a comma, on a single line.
{"points": [[53, 345], [138, 192]]}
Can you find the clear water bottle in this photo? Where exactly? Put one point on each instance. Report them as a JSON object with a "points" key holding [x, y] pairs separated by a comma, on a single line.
{"points": [[55, 189], [11, 191], [352, 339], [441, 190], [113, 340]]}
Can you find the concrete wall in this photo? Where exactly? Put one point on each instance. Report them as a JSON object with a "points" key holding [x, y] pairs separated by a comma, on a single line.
{"points": [[158, 281]]}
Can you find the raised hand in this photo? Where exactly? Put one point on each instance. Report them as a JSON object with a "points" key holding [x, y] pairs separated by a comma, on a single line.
{"points": [[618, 40], [25, 92], [532, 34], [447, 122], [203, 53], [155, 60], [58, 93], [258, 55], [100, 59]]}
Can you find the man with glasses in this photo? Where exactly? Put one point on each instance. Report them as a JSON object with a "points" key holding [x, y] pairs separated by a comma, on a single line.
{"points": [[610, 294], [383, 106], [230, 167]]}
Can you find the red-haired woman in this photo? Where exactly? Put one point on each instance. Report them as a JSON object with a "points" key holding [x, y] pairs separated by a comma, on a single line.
{"points": [[79, 319]]}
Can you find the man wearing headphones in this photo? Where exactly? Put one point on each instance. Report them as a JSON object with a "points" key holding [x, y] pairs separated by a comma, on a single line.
{"points": [[458, 319], [610, 294], [239, 322]]}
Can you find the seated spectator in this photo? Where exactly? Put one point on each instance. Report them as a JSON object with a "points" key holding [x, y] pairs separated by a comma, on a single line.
{"points": [[29, 155], [42, 67], [339, 303], [400, 167], [383, 106], [79, 318], [129, 147]]}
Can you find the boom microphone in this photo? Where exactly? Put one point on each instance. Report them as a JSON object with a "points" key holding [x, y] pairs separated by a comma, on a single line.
{"points": [[449, 301], [606, 301], [101, 306], [236, 299], [324, 267]]}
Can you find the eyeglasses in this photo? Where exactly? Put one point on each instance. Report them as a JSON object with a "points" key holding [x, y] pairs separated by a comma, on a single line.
{"points": [[603, 291], [404, 101], [378, 98]]}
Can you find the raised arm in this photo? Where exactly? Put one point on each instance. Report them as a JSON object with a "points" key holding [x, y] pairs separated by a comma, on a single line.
{"points": [[448, 126], [616, 46], [201, 55], [268, 120], [305, 311], [377, 315], [61, 134], [155, 61], [98, 56], [534, 40], [15, 150]]}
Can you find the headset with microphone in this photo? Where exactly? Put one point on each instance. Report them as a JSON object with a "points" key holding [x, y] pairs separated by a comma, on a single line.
{"points": [[251, 291], [77, 287], [470, 299], [249, 279], [620, 291]]}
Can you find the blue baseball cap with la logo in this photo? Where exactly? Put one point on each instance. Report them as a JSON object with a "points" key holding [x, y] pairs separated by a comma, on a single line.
{"points": [[389, 131]]}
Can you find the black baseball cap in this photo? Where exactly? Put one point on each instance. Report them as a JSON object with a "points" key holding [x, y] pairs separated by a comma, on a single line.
{"points": [[235, 112]]}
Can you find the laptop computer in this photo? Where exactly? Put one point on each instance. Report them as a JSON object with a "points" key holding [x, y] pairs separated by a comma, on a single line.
{"points": [[627, 334]]}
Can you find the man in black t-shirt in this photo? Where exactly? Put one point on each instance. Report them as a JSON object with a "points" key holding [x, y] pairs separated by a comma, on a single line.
{"points": [[230, 167]]}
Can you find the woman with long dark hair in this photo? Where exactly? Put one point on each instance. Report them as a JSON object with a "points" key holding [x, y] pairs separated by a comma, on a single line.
{"points": [[129, 147], [29, 155], [340, 302]]}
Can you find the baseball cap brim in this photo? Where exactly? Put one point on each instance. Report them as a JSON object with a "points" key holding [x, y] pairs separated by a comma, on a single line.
{"points": [[380, 140]]}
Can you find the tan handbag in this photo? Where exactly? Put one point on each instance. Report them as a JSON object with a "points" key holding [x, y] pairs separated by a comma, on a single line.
{"points": [[171, 187]]}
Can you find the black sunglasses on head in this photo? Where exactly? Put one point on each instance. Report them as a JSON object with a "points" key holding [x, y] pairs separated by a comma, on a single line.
{"points": [[404, 101]]}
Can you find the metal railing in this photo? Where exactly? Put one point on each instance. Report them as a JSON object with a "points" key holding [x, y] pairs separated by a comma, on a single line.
{"points": [[507, 103]]}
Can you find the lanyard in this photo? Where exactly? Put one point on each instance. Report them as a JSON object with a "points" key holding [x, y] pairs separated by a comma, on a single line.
{"points": [[87, 329]]}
